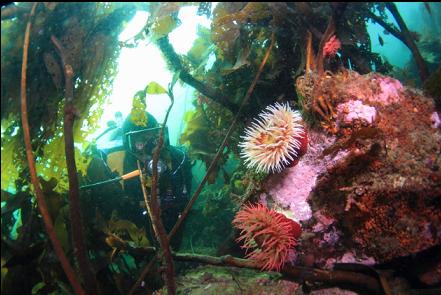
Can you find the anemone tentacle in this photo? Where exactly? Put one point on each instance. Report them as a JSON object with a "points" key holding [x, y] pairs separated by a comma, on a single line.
{"points": [[273, 139]]}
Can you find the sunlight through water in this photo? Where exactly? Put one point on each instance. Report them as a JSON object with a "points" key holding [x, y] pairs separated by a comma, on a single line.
{"points": [[143, 64]]}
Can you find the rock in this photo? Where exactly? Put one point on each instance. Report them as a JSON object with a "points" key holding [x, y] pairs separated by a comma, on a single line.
{"points": [[372, 175]]}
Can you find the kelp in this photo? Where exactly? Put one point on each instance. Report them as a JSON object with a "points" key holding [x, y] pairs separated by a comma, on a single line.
{"points": [[126, 230], [88, 34], [137, 113], [12, 159], [207, 222], [163, 19], [201, 49], [356, 43], [228, 20], [205, 129]]}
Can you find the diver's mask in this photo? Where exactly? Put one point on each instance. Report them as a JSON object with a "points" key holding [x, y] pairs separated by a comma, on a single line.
{"points": [[141, 143]]}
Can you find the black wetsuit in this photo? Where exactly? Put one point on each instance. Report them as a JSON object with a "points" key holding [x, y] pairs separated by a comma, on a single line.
{"points": [[174, 190]]}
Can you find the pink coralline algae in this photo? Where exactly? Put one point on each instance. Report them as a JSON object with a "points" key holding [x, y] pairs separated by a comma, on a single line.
{"points": [[389, 91], [331, 47], [331, 237], [270, 235], [355, 109], [292, 188], [350, 257], [323, 221], [435, 120]]}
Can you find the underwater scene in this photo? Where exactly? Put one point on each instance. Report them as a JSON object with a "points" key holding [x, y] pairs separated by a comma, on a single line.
{"points": [[221, 148]]}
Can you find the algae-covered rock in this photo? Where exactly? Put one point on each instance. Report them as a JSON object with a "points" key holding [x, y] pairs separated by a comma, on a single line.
{"points": [[230, 280], [371, 177]]}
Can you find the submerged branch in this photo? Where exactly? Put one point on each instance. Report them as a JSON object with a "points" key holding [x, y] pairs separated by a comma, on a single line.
{"points": [[173, 58], [405, 36], [330, 30], [74, 195], [34, 179], [298, 274], [293, 273], [154, 210], [386, 26], [409, 41]]}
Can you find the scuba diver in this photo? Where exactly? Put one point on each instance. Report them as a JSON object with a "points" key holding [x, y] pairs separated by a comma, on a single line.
{"points": [[174, 169], [133, 142]]}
